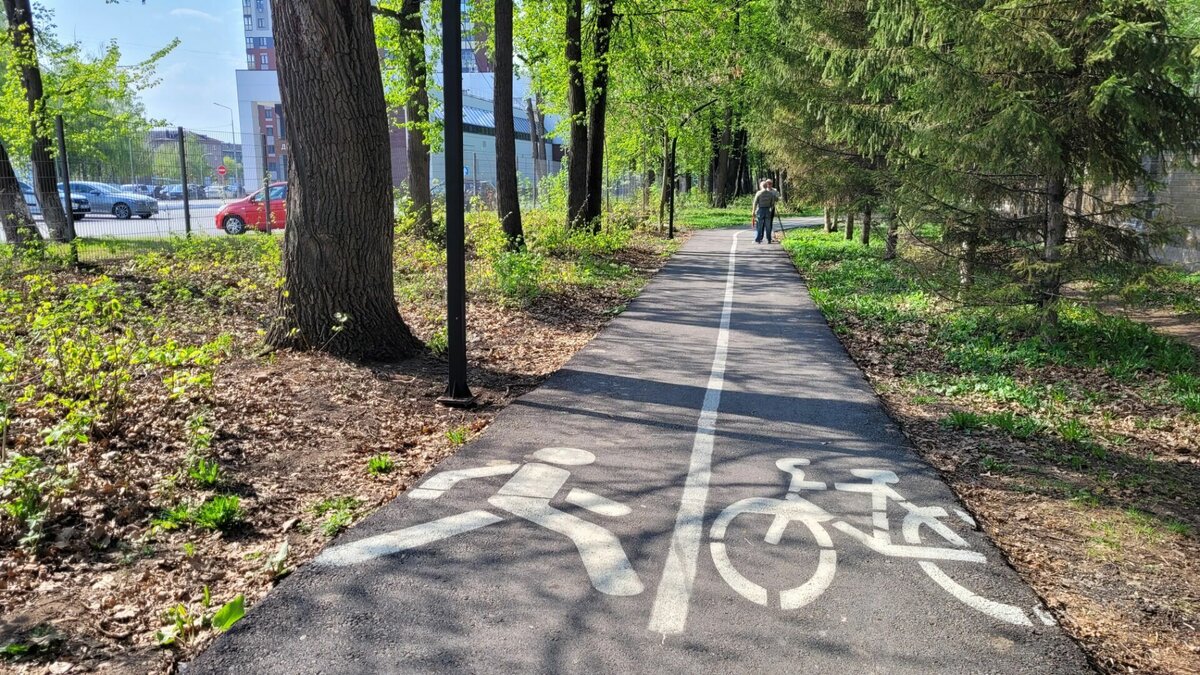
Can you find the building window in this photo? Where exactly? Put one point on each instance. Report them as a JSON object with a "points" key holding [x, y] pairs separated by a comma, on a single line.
{"points": [[249, 43], [263, 58], [250, 61], [245, 4], [271, 150], [249, 22], [268, 113], [262, 23], [259, 4]]}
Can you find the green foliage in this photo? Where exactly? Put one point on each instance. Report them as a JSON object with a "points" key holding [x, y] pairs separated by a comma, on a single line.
{"points": [[519, 274], [963, 420], [220, 512], [337, 514], [380, 465], [204, 472], [186, 622], [30, 492], [458, 435]]}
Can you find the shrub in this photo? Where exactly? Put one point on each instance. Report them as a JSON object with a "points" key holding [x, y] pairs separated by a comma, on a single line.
{"points": [[519, 275], [221, 512], [30, 491]]}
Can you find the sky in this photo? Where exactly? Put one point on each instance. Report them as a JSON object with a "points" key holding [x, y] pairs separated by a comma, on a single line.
{"points": [[199, 72]]}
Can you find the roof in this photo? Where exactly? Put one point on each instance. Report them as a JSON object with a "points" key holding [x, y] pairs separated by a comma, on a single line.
{"points": [[480, 117]]}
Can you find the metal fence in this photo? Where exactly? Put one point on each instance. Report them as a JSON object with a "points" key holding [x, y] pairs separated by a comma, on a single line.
{"points": [[142, 186]]}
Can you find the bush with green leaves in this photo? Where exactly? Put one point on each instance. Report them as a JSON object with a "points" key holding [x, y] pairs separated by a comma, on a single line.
{"points": [[30, 492], [519, 274]]}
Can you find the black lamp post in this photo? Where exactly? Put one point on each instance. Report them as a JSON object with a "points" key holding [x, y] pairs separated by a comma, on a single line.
{"points": [[458, 394]]}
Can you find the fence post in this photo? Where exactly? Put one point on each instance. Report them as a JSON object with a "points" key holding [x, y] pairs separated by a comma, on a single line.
{"points": [[266, 188], [475, 161], [187, 207], [65, 172]]}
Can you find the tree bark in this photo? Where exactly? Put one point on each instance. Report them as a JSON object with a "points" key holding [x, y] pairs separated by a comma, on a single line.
{"points": [[508, 198], [536, 142], [45, 179], [721, 181], [850, 226], [577, 162], [17, 221], [338, 293], [866, 227], [598, 113], [1056, 236], [966, 263], [828, 219], [416, 115], [893, 236]]}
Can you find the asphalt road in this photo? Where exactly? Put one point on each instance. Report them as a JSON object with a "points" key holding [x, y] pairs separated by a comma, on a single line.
{"points": [[167, 222], [709, 486]]}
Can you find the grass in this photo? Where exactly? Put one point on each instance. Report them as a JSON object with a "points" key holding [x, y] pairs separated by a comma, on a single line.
{"points": [[337, 513], [380, 465], [458, 436]]}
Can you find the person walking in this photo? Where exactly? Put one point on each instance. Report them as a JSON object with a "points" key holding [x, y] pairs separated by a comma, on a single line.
{"points": [[763, 211]]}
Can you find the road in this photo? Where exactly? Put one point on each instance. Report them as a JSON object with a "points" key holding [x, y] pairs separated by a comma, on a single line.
{"points": [[169, 221], [709, 486]]}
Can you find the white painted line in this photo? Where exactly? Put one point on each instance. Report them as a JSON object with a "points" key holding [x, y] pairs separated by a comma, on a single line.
{"points": [[814, 587], [596, 504], [996, 610], [401, 540], [670, 611], [1046, 617]]}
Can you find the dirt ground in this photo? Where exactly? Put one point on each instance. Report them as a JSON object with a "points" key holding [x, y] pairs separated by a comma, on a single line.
{"points": [[293, 434]]}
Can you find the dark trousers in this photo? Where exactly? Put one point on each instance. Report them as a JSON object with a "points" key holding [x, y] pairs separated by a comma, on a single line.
{"points": [[764, 219]]}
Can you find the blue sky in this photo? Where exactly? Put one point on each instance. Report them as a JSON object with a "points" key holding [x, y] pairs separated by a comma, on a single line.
{"points": [[199, 71]]}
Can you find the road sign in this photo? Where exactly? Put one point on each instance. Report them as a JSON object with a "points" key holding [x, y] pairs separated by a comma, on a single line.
{"points": [[466, 171], [221, 170]]}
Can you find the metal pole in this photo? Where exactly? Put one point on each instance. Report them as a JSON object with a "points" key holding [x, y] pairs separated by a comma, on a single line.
{"points": [[66, 177], [457, 394], [132, 174], [187, 208], [475, 169], [671, 177], [266, 188]]}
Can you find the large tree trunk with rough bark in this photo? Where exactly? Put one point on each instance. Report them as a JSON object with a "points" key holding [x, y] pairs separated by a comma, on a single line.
{"points": [[17, 221], [720, 193], [338, 291], [508, 198], [598, 112], [45, 179], [577, 162], [828, 219], [893, 236], [850, 226], [866, 227], [416, 116]]}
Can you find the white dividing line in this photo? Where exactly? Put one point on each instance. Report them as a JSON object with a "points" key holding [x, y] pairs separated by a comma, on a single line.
{"points": [[675, 588], [996, 610]]}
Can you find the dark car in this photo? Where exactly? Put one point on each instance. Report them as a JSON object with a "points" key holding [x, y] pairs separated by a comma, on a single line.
{"points": [[107, 198], [80, 206]]}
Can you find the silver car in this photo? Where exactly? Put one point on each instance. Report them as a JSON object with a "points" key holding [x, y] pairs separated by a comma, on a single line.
{"points": [[107, 198], [80, 206]]}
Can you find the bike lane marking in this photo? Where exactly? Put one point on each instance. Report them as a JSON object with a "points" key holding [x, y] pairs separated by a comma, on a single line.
{"points": [[669, 614]]}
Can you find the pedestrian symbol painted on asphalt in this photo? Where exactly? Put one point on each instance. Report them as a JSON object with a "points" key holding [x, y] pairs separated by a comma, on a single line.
{"points": [[527, 495]]}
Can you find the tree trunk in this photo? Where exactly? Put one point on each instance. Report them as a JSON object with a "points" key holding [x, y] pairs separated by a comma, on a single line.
{"points": [[508, 198], [966, 263], [1056, 236], [338, 294], [577, 161], [45, 179], [17, 221], [535, 142], [866, 227], [666, 172], [416, 117], [828, 219], [721, 181], [850, 226], [893, 236], [598, 112]]}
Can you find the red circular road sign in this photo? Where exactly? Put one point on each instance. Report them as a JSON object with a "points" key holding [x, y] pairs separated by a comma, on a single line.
{"points": [[221, 170]]}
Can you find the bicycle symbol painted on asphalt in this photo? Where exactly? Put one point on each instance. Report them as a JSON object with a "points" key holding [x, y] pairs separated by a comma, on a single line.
{"points": [[532, 487], [795, 509]]}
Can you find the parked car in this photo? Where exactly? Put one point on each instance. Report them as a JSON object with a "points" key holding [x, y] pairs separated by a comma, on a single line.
{"points": [[214, 191], [107, 198], [138, 188], [249, 212], [80, 206], [176, 191]]}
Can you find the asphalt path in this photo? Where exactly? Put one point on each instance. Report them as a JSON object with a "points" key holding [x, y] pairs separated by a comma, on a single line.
{"points": [[709, 486]]}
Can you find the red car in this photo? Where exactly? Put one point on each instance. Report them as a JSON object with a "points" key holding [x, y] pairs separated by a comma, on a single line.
{"points": [[248, 212]]}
